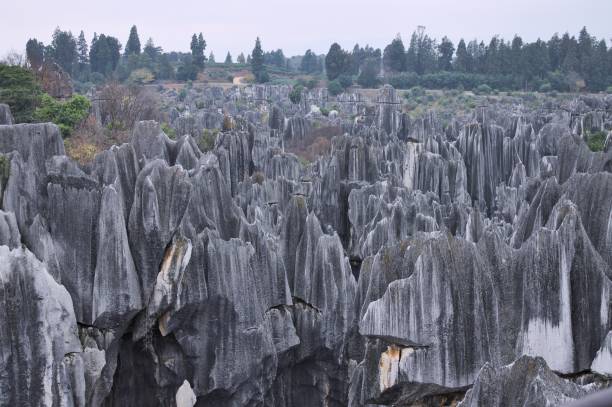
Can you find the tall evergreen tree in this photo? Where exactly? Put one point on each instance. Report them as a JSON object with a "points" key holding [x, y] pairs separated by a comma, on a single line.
{"points": [[165, 70], [516, 52], [35, 53], [211, 58], [228, 58], [276, 58], [554, 52], [64, 49], [198, 46], [309, 63], [394, 56], [133, 44], [446, 49], [536, 63], [462, 62], [571, 56], [492, 60], [337, 62], [600, 76], [421, 57], [104, 54], [82, 49], [151, 50], [257, 63], [368, 72], [241, 59], [585, 53]]}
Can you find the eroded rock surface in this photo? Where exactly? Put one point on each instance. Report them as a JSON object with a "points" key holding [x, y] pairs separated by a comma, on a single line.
{"points": [[412, 262]]}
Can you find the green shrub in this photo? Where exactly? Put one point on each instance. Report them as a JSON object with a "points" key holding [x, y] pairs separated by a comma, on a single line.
{"points": [[346, 81], [417, 91], [454, 92], [141, 76], [596, 140], [404, 80], [258, 177], [97, 78], [170, 132], [311, 83], [483, 89], [206, 142], [335, 88], [609, 90], [545, 87], [66, 115], [5, 170], [81, 150], [296, 94], [20, 90]]}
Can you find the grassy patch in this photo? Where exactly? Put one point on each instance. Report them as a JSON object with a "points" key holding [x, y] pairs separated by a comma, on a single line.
{"points": [[596, 140], [80, 150]]}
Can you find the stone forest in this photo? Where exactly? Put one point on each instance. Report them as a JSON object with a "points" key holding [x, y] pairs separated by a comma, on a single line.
{"points": [[260, 244]]}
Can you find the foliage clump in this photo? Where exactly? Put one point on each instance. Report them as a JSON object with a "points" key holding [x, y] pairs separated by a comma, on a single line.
{"points": [[296, 94], [206, 142], [20, 90], [335, 88], [596, 140], [66, 115], [168, 131], [81, 150]]}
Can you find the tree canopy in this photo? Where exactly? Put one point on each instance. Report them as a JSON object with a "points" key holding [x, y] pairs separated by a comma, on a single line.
{"points": [[133, 44], [337, 62], [257, 63]]}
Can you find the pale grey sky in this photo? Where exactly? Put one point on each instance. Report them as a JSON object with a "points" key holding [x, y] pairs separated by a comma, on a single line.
{"points": [[294, 25]]}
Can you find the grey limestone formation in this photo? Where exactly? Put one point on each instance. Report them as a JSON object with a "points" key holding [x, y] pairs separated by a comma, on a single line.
{"points": [[417, 261]]}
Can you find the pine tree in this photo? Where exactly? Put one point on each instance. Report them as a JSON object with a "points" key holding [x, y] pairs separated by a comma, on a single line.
{"points": [[133, 43], [492, 60], [585, 53], [164, 68], [421, 56], [462, 62], [35, 53], [198, 45], [151, 50], [228, 59], [257, 63], [64, 49], [241, 59], [394, 56], [104, 54], [337, 62], [309, 63], [554, 52], [446, 50], [599, 73], [369, 71], [82, 49], [571, 59], [211, 58]]}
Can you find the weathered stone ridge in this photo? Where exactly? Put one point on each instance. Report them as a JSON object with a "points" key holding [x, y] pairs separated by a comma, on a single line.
{"points": [[412, 263]]}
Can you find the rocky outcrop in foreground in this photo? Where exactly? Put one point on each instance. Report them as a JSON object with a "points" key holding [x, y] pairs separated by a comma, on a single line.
{"points": [[412, 264]]}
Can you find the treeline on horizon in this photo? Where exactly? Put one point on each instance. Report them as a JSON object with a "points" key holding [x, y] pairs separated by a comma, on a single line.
{"points": [[563, 63]]}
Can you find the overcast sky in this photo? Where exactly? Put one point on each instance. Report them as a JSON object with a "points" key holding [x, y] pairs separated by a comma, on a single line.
{"points": [[294, 25]]}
